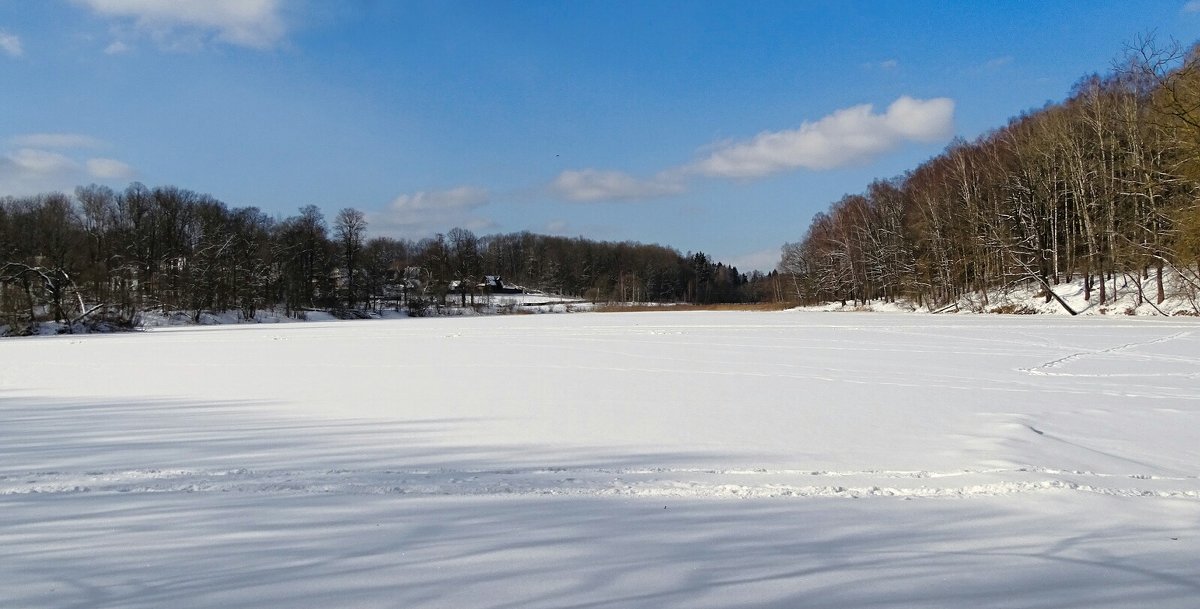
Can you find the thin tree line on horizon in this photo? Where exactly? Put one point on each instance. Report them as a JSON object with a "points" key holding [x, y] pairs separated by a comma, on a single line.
{"points": [[106, 256]]}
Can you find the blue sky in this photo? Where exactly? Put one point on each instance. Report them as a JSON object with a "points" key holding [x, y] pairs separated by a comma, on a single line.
{"points": [[708, 126]]}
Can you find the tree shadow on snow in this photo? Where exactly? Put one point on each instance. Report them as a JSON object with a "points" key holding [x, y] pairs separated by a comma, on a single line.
{"points": [[322, 549]]}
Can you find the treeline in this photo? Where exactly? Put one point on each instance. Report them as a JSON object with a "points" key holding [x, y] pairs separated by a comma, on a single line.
{"points": [[1102, 187], [105, 256]]}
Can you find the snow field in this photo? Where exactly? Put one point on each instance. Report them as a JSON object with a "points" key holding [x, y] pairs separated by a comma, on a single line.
{"points": [[670, 459], [206, 550]]}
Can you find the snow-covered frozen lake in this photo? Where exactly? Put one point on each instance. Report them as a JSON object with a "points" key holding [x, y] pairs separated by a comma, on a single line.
{"points": [[671, 459]]}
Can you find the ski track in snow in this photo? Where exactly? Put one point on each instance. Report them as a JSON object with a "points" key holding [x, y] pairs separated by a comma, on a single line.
{"points": [[529, 462], [1042, 369], [697, 483]]}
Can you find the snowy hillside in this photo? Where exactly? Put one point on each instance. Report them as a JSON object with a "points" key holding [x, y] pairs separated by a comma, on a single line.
{"points": [[667, 459], [1029, 298]]}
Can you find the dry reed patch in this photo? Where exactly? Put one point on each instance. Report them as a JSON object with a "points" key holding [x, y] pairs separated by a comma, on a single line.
{"points": [[638, 308]]}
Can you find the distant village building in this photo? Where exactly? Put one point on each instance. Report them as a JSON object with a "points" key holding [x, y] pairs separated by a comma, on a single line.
{"points": [[493, 284]]}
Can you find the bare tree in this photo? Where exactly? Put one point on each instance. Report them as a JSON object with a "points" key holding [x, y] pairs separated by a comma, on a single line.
{"points": [[349, 229]]}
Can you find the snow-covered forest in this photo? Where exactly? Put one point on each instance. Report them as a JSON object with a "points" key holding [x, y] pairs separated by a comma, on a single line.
{"points": [[104, 257], [1102, 186]]}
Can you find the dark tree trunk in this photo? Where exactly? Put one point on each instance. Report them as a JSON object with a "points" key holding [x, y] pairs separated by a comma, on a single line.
{"points": [[1161, 296]]}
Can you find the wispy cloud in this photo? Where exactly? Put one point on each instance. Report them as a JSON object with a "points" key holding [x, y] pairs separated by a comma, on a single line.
{"points": [[182, 24], [109, 169], [41, 161], [597, 185], [1191, 7], [46, 162], [887, 64], [462, 197], [423, 213], [846, 137], [997, 62], [28, 171], [117, 47], [850, 136], [10, 44], [55, 140]]}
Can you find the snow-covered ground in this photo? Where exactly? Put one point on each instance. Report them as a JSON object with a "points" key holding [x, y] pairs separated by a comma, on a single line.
{"points": [[1128, 295], [668, 459]]}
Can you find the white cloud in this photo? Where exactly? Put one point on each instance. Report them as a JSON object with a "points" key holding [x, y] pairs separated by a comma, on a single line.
{"points": [[55, 140], [557, 227], [997, 62], [11, 44], [846, 137], [44, 162], [462, 197], [1192, 7], [117, 48], [255, 24], [424, 213], [887, 64], [41, 161], [109, 169], [29, 171], [597, 185]]}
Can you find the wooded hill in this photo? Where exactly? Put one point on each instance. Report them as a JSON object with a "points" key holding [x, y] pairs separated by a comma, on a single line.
{"points": [[105, 256], [1102, 186]]}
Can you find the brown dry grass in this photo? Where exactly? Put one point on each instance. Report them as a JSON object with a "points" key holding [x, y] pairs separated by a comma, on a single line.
{"points": [[638, 308]]}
